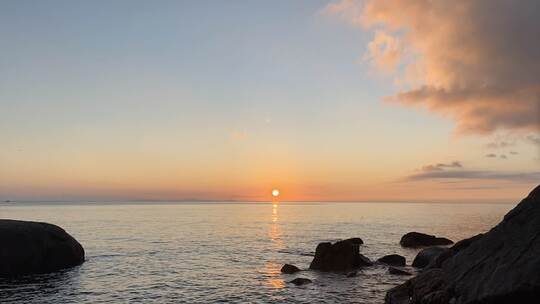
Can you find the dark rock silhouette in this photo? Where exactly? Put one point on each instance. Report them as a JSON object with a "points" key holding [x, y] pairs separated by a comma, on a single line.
{"points": [[427, 255], [501, 266], [288, 268], [32, 248], [393, 259], [448, 253], [300, 281], [417, 239], [340, 256], [355, 240], [397, 271]]}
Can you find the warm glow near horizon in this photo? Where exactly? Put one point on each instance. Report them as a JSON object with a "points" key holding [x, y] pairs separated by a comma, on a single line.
{"points": [[220, 106]]}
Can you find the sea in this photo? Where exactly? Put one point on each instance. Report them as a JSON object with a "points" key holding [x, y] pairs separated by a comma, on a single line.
{"points": [[191, 252]]}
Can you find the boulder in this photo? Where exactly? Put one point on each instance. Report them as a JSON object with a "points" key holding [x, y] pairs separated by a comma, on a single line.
{"points": [[427, 255], [33, 248], [498, 267], [340, 256], [393, 259], [300, 281], [397, 271], [288, 268], [417, 239]]}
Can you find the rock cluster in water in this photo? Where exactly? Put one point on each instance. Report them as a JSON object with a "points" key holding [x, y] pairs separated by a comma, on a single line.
{"points": [[33, 248], [500, 266], [344, 256], [340, 256]]}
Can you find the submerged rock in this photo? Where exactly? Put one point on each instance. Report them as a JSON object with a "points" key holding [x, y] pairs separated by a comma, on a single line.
{"points": [[300, 281], [427, 255], [397, 271], [500, 266], [352, 274], [393, 259], [340, 256], [33, 247], [288, 268], [417, 239]]}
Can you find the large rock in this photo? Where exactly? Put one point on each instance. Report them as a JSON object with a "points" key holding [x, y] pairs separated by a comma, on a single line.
{"points": [[427, 256], [340, 256], [32, 248], [501, 266], [393, 259], [417, 239]]}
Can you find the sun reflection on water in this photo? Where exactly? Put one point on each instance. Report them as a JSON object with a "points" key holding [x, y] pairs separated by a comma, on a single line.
{"points": [[272, 269], [275, 229]]}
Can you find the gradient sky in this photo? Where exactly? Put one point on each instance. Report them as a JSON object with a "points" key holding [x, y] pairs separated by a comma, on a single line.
{"points": [[226, 100]]}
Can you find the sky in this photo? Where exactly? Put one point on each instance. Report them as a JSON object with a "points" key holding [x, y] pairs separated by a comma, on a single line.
{"points": [[226, 100]]}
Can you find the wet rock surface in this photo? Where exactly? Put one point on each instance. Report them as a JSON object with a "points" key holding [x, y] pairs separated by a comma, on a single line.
{"points": [[427, 256], [500, 266]]}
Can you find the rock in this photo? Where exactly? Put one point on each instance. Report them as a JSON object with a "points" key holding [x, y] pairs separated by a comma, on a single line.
{"points": [[437, 262], [406, 292], [352, 274], [417, 239], [364, 260], [288, 268], [397, 271], [427, 255], [340, 256], [393, 259], [300, 281], [33, 247], [498, 267], [355, 240]]}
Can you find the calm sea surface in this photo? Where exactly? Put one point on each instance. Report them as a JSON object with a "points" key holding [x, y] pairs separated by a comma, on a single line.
{"points": [[204, 253]]}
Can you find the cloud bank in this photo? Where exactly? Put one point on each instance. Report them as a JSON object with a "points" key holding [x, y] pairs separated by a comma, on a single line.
{"points": [[526, 177], [476, 62], [456, 171], [442, 166]]}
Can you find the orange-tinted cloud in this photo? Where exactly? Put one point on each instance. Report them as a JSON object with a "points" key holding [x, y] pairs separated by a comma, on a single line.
{"points": [[442, 166], [477, 62]]}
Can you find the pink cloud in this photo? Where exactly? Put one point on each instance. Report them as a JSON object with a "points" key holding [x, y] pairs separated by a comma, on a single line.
{"points": [[475, 62]]}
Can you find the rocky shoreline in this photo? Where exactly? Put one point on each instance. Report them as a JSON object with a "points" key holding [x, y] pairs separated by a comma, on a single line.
{"points": [[500, 266]]}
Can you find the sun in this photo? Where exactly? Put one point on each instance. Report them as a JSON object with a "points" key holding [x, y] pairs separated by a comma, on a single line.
{"points": [[275, 193]]}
